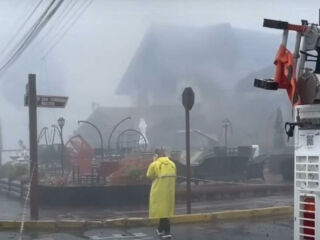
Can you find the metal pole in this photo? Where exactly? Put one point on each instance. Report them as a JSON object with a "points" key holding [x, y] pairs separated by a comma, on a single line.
{"points": [[303, 57], [296, 53], [62, 150], [78, 173], [100, 135], [113, 130], [226, 123], [131, 130], [59, 130], [188, 162], [73, 174], [225, 136], [285, 35], [32, 94], [43, 132]]}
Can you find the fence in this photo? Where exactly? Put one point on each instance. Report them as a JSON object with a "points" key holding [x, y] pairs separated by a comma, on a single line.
{"points": [[14, 188]]}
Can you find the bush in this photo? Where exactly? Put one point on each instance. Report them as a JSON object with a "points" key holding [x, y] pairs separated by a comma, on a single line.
{"points": [[13, 171], [136, 174]]}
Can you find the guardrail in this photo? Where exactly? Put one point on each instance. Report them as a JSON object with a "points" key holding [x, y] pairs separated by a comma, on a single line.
{"points": [[14, 188]]}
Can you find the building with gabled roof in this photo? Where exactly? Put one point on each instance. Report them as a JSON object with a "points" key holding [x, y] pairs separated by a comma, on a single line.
{"points": [[209, 58], [217, 62]]}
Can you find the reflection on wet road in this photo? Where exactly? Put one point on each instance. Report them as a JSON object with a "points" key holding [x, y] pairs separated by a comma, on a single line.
{"points": [[240, 230]]}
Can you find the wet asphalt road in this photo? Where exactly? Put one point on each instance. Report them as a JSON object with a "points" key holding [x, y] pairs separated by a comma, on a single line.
{"points": [[11, 208], [240, 230]]}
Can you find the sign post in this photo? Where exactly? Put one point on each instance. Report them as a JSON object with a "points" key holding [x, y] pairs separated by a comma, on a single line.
{"points": [[32, 94], [33, 101], [188, 101]]}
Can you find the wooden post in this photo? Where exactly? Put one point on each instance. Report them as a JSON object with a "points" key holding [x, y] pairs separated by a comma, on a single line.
{"points": [[32, 94]]}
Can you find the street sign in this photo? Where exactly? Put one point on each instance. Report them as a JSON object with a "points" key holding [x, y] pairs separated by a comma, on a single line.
{"points": [[188, 101], [188, 98], [48, 101]]}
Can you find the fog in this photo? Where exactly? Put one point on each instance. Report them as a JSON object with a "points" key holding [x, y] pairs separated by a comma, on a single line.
{"points": [[88, 62]]}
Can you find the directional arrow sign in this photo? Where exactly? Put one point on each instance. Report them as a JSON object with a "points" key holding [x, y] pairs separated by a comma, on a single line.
{"points": [[48, 101]]}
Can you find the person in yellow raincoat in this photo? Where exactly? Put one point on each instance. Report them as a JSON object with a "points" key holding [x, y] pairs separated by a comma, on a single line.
{"points": [[162, 195]]}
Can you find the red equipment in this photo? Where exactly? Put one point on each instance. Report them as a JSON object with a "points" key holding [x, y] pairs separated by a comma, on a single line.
{"points": [[285, 74], [80, 154]]}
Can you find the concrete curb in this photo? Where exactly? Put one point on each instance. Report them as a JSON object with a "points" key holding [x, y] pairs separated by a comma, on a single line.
{"points": [[51, 225]]}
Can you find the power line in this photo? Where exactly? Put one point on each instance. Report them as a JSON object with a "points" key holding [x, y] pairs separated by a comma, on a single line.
{"points": [[34, 31], [46, 78], [21, 27], [68, 28], [74, 17], [20, 19], [61, 17], [64, 14], [28, 34]]}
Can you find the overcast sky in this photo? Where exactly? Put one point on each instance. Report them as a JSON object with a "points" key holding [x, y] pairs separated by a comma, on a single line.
{"points": [[91, 58]]}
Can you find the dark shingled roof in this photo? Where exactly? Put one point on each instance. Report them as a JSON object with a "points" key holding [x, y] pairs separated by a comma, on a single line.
{"points": [[214, 54]]}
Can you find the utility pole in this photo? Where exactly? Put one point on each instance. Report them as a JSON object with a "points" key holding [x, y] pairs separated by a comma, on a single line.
{"points": [[33, 101], [188, 101], [32, 95]]}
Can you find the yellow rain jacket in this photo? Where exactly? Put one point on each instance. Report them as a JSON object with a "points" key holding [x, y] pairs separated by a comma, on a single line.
{"points": [[162, 195]]}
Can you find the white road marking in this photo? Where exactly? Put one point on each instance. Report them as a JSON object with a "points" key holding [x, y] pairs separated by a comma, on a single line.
{"points": [[119, 236]]}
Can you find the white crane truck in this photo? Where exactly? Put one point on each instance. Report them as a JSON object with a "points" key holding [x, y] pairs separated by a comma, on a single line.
{"points": [[301, 80]]}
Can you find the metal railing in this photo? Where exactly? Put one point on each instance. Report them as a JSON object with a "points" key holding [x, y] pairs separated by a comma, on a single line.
{"points": [[14, 188], [89, 178]]}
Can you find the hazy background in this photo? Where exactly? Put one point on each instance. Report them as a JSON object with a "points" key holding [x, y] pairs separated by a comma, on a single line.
{"points": [[91, 58]]}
